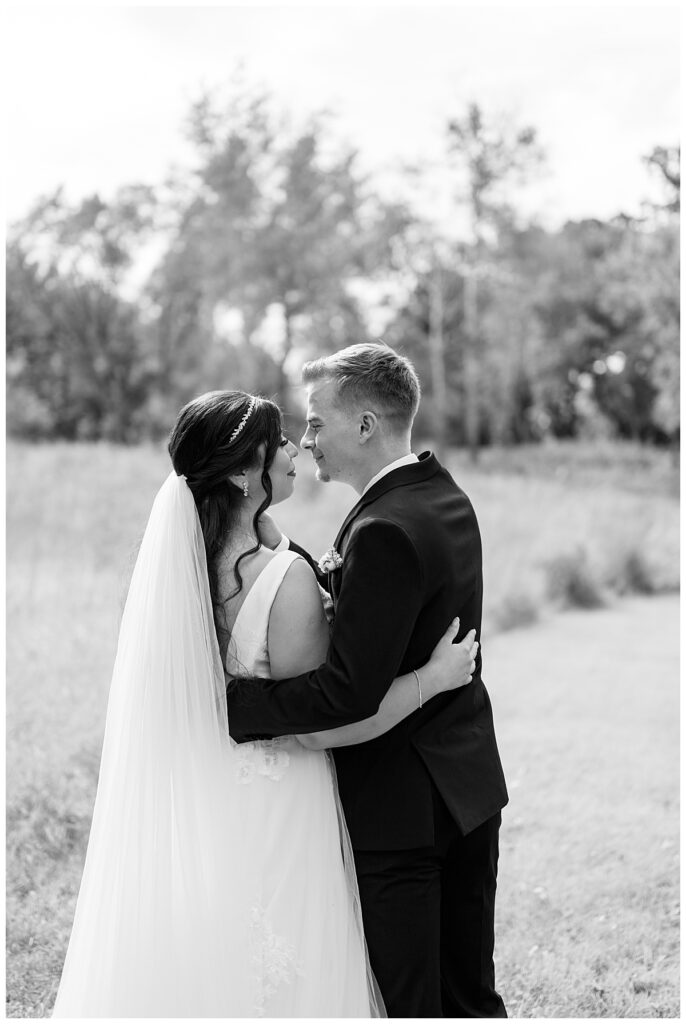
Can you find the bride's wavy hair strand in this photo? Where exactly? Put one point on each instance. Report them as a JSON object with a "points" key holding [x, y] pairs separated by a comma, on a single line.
{"points": [[207, 447]]}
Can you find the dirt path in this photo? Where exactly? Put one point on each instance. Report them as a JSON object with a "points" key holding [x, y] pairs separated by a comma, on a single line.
{"points": [[587, 716]]}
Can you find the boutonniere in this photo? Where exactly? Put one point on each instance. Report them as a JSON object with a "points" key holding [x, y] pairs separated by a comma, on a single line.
{"points": [[330, 561]]}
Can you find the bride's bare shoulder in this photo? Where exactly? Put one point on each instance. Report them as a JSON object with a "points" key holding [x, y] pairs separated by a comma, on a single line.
{"points": [[298, 580], [298, 629]]}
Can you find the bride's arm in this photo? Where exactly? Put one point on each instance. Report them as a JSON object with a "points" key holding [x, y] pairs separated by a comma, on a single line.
{"points": [[450, 667], [298, 640]]}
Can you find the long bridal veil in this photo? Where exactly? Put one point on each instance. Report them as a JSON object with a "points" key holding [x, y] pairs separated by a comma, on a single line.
{"points": [[165, 919], [166, 880]]}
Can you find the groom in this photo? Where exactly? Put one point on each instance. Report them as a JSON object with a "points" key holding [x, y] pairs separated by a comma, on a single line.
{"points": [[423, 801]]}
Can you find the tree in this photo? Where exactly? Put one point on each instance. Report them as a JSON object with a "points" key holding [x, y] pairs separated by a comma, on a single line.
{"points": [[509, 409], [277, 222], [666, 161], [78, 355], [487, 156], [608, 305], [76, 363]]}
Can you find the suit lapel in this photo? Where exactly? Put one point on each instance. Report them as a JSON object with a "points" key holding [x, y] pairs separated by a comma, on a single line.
{"points": [[427, 466], [352, 514], [416, 471]]}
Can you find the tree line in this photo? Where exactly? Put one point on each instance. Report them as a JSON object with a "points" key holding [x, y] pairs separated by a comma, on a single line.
{"points": [[274, 248]]}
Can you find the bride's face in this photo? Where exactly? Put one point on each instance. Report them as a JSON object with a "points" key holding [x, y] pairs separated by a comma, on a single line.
{"points": [[282, 471]]}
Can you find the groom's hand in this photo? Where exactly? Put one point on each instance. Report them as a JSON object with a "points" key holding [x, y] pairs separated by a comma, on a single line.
{"points": [[451, 665]]}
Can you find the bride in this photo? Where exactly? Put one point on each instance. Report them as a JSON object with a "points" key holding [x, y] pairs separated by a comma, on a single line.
{"points": [[219, 879]]}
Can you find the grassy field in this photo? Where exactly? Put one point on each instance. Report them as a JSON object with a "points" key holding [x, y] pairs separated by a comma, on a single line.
{"points": [[562, 526], [587, 713]]}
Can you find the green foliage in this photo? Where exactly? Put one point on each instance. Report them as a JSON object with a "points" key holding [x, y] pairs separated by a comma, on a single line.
{"points": [[666, 161], [578, 336], [78, 358], [632, 573], [572, 582], [275, 248], [516, 610], [275, 224], [609, 313], [488, 152]]}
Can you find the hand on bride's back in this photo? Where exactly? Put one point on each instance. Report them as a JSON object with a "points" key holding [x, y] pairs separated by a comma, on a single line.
{"points": [[450, 665]]}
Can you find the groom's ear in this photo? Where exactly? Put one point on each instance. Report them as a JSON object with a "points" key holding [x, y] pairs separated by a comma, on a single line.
{"points": [[367, 425]]}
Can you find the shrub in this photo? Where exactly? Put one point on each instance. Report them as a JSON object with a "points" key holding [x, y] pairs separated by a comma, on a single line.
{"points": [[572, 581], [631, 573], [515, 611]]}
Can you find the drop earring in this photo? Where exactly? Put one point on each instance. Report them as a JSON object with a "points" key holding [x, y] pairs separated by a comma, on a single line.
{"points": [[245, 488]]}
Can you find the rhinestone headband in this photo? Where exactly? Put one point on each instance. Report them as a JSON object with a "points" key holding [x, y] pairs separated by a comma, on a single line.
{"points": [[248, 413]]}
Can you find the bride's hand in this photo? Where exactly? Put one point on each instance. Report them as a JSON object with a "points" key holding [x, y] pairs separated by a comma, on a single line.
{"points": [[269, 533], [450, 665]]}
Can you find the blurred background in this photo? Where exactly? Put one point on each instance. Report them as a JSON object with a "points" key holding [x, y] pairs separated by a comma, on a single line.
{"points": [[203, 198]]}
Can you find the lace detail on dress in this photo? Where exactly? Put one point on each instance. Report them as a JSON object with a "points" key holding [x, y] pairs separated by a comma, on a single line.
{"points": [[264, 757], [274, 959]]}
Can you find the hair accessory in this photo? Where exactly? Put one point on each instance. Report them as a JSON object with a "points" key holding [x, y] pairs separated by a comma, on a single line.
{"points": [[251, 406], [245, 489]]}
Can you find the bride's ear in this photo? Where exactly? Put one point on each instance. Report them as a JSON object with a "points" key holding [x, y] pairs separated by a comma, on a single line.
{"points": [[238, 479]]}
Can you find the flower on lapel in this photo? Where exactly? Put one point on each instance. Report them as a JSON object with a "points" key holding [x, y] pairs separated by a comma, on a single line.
{"points": [[330, 561]]}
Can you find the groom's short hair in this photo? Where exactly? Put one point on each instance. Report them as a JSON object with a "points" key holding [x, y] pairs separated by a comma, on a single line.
{"points": [[373, 373]]}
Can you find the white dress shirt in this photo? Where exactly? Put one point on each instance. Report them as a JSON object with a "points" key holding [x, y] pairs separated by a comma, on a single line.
{"points": [[405, 460]]}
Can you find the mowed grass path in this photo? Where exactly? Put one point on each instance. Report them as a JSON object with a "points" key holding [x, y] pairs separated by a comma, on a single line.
{"points": [[587, 715], [75, 516]]}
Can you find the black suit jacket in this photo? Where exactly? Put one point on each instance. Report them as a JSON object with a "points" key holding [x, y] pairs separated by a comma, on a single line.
{"points": [[411, 554]]}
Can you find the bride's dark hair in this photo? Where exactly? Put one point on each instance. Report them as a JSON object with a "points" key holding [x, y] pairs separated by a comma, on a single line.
{"points": [[203, 448]]}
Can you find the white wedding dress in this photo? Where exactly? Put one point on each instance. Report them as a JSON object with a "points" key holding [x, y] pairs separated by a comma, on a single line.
{"points": [[310, 957], [218, 879]]}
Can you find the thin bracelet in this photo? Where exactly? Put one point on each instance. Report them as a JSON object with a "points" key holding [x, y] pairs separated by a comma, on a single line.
{"points": [[419, 686]]}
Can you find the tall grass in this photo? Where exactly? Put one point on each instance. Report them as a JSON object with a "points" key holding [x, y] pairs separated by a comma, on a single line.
{"points": [[75, 516]]}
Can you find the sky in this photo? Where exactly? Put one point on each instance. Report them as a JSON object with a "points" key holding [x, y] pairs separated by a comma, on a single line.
{"points": [[98, 95]]}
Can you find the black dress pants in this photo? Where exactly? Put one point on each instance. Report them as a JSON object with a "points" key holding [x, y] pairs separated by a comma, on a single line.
{"points": [[429, 921]]}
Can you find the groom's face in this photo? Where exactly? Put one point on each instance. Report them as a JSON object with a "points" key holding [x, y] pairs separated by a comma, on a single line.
{"points": [[331, 437]]}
